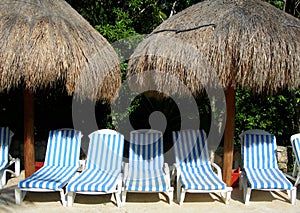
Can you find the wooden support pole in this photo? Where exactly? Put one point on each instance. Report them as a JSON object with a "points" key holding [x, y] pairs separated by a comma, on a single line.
{"points": [[229, 135], [29, 159]]}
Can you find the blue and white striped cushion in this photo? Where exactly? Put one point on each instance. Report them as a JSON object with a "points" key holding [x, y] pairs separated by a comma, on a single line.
{"points": [[5, 139], [260, 163], [104, 163], [63, 148], [146, 162], [259, 151], [193, 159], [49, 177], [271, 178], [105, 151], [296, 146], [61, 161], [94, 180]]}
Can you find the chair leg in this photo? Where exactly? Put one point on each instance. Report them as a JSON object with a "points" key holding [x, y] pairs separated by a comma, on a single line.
{"points": [[123, 194], [292, 195], [178, 190], [2, 179], [247, 193], [17, 167], [118, 194], [63, 197], [70, 198], [171, 195], [118, 198], [19, 195], [182, 196], [226, 196]]}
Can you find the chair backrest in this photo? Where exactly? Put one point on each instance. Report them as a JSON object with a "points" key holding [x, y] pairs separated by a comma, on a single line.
{"points": [[190, 147], [5, 140], [258, 149], [63, 148], [295, 140], [145, 151], [105, 150]]}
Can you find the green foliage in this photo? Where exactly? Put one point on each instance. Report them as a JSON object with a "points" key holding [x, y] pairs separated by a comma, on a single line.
{"points": [[277, 114], [279, 4], [117, 20], [120, 29]]}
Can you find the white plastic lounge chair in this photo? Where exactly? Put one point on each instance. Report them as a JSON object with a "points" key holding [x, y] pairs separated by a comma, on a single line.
{"points": [[5, 159], [61, 163], [102, 174], [295, 141], [146, 170], [193, 168], [260, 169]]}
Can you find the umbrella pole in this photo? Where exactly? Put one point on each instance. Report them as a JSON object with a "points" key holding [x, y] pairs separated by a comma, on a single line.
{"points": [[229, 135], [28, 133]]}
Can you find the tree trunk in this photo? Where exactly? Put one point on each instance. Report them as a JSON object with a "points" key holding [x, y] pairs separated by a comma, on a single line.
{"points": [[229, 135], [28, 133]]}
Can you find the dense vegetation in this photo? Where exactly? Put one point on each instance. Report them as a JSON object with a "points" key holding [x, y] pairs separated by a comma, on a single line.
{"points": [[277, 113], [115, 20]]}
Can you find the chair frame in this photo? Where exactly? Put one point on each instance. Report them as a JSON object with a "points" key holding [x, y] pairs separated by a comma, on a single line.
{"points": [[295, 175], [11, 161], [165, 169], [20, 193], [118, 186], [243, 183], [225, 194]]}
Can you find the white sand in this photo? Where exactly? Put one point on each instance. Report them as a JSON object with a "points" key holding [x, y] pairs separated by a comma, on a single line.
{"points": [[260, 201]]}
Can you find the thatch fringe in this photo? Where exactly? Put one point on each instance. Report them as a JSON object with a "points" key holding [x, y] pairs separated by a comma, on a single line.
{"points": [[253, 45], [42, 42]]}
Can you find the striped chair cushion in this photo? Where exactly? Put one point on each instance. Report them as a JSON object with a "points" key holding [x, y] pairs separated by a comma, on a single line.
{"points": [[63, 148], [271, 178], [5, 139], [192, 156], [104, 163], [146, 162], [200, 178], [260, 163], [105, 150], [49, 177], [147, 181], [259, 151], [190, 148], [94, 180], [61, 161]]}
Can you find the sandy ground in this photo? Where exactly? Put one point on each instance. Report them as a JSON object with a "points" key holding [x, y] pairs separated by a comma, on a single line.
{"points": [[260, 201]]}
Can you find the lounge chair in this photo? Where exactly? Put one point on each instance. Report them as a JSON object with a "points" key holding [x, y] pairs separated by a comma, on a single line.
{"points": [[5, 159], [295, 141], [146, 170], [61, 163], [102, 174], [260, 169], [193, 168]]}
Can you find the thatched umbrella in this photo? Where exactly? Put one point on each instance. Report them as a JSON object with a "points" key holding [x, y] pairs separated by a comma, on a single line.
{"points": [[241, 43], [45, 42]]}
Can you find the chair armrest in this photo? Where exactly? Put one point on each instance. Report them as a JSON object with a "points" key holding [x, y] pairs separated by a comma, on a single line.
{"points": [[166, 171], [125, 171], [219, 172]]}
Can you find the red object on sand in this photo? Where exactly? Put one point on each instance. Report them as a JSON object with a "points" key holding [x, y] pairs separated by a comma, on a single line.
{"points": [[38, 165], [235, 174]]}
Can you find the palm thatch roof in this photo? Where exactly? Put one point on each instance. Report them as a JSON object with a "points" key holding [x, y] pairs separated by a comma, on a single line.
{"points": [[238, 43], [46, 41]]}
